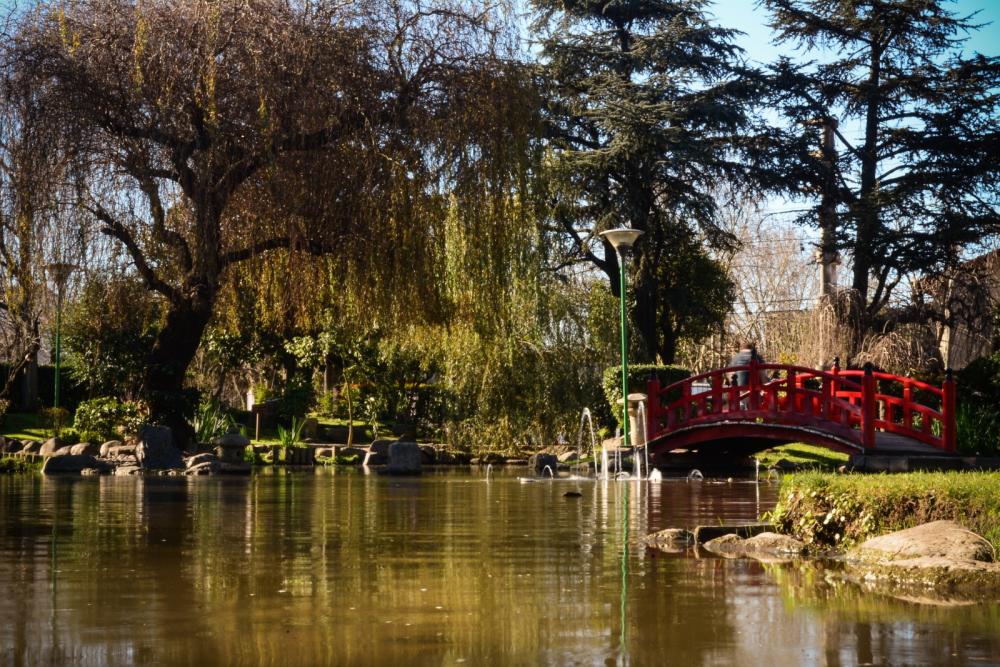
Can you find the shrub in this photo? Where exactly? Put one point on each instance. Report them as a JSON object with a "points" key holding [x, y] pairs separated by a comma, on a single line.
{"points": [[210, 421], [106, 418], [977, 429], [976, 420], [638, 376], [54, 419], [296, 400]]}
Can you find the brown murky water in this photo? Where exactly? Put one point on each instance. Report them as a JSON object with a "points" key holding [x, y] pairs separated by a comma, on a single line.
{"points": [[341, 568]]}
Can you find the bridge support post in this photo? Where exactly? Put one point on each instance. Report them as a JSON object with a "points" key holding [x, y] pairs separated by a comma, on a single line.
{"points": [[948, 411], [868, 408], [652, 408]]}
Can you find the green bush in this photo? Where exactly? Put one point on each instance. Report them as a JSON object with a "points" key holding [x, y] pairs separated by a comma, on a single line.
{"points": [[106, 418], [211, 421], [976, 419], [977, 429], [296, 400], [638, 376]]}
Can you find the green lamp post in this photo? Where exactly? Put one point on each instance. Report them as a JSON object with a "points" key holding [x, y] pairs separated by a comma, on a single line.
{"points": [[59, 272], [622, 239]]}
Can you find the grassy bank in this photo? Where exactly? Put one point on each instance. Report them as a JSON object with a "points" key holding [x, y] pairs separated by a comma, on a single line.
{"points": [[805, 456], [17, 464], [830, 510], [24, 426]]}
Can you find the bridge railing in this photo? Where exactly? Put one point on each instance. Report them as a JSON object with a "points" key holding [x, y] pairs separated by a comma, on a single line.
{"points": [[851, 404]]}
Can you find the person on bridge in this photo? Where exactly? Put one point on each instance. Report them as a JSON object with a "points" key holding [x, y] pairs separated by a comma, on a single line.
{"points": [[747, 352]]}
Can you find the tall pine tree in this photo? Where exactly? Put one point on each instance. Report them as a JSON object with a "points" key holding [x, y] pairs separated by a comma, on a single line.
{"points": [[918, 151], [647, 113]]}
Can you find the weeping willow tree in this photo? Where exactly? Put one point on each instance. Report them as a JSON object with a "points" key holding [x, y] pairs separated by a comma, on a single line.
{"points": [[290, 140]]}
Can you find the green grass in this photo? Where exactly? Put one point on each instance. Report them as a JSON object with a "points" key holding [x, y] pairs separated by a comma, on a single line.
{"points": [[803, 454], [24, 426], [841, 510]]}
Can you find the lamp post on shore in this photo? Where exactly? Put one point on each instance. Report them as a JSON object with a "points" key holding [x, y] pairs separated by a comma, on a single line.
{"points": [[59, 273], [622, 239]]}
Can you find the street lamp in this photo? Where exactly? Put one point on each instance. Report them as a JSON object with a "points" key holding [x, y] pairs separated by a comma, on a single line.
{"points": [[59, 273], [622, 239]]}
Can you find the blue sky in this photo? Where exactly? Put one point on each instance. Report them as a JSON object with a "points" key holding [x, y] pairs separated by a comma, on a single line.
{"points": [[747, 17]]}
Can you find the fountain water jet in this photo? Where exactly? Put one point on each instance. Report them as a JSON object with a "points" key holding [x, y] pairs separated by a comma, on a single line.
{"points": [[585, 416]]}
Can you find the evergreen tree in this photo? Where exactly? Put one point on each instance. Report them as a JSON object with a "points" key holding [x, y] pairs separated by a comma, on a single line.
{"points": [[917, 156], [647, 112]]}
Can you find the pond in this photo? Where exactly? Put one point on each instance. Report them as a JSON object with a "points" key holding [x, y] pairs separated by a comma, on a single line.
{"points": [[339, 567]]}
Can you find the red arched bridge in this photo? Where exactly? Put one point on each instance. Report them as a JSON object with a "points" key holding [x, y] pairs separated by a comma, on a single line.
{"points": [[856, 411]]}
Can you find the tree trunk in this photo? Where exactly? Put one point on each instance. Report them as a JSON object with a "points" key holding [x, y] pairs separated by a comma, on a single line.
{"points": [[867, 213], [171, 355], [644, 310]]}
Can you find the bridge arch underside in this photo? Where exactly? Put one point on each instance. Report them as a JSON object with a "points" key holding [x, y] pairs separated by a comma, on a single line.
{"points": [[740, 439]]}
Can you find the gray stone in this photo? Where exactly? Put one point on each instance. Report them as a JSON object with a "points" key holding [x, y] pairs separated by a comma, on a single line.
{"points": [[128, 470], [108, 446], [65, 450], [85, 448], [203, 468], [670, 539], [428, 454], [765, 545], [568, 457], [378, 453], [86, 472], [937, 539], [404, 458], [156, 449], [122, 451], [199, 459], [704, 534], [539, 462], [12, 446], [50, 447], [71, 464]]}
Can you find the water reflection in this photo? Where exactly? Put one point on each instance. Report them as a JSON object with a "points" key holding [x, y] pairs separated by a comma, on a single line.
{"points": [[343, 568]]}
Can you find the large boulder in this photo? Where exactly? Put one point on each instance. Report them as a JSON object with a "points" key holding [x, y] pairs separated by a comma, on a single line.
{"points": [[72, 464], [404, 458], [110, 445], [569, 457], [85, 449], [156, 449], [539, 462], [30, 447], [199, 459], [50, 447], [937, 539], [378, 453], [65, 450], [937, 560], [12, 446]]}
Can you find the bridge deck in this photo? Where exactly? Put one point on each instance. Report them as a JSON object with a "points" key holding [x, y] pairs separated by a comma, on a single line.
{"points": [[893, 443]]}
